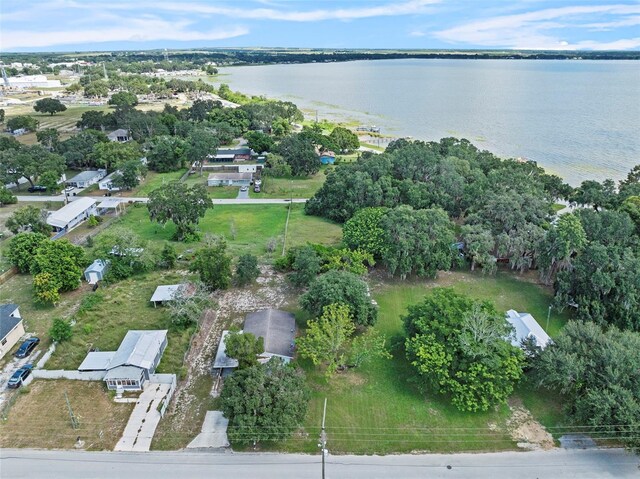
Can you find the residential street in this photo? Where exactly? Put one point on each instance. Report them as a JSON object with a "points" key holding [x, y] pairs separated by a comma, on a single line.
{"points": [[556, 464], [233, 201]]}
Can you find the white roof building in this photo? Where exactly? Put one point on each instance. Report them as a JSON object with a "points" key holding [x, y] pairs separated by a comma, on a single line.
{"points": [[167, 292], [526, 327], [70, 215]]}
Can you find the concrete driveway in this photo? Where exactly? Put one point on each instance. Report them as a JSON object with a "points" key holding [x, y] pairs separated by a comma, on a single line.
{"points": [[243, 195], [214, 432]]}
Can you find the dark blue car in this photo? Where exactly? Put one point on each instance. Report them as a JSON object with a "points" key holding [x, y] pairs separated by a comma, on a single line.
{"points": [[16, 380], [27, 347]]}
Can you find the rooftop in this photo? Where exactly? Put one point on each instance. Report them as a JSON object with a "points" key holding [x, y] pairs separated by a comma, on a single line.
{"points": [[526, 326], [119, 132], [97, 265], [234, 151], [166, 292], [139, 348], [97, 361], [222, 360], [64, 215], [278, 328], [8, 322], [230, 176], [85, 176]]}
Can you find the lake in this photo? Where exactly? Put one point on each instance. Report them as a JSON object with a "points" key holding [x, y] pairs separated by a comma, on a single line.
{"points": [[578, 119]]}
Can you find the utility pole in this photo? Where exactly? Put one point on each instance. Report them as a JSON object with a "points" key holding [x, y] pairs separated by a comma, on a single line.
{"points": [[323, 436], [548, 317]]}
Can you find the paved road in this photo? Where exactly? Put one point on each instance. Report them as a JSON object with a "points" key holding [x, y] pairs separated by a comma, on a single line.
{"points": [[556, 464], [233, 201]]}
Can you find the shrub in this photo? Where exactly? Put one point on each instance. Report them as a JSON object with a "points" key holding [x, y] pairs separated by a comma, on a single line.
{"points": [[60, 330]]}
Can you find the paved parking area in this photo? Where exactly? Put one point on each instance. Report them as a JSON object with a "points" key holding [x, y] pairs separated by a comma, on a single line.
{"points": [[214, 432], [138, 433]]}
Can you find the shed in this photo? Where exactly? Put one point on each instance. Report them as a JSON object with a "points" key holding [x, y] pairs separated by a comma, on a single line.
{"points": [[525, 327], [277, 328], [87, 178], [120, 135], [95, 271], [229, 179], [11, 327], [167, 292], [72, 214]]}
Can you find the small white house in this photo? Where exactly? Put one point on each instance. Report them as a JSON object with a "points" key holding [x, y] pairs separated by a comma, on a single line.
{"points": [[106, 183], [229, 179], [11, 327], [87, 178], [526, 327], [120, 135], [95, 271], [72, 214]]}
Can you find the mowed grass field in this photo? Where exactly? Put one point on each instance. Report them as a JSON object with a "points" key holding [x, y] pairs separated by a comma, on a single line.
{"points": [[379, 409], [246, 228], [291, 187], [39, 417]]}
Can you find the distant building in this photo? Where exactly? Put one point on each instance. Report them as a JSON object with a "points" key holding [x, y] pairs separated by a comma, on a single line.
{"points": [[87, 178], [72, 214], [11, 327], [231, 154], [131, 365], [33, 81], [229, 179], [120, 135], [95, 271], [106, 183], [526, 327], [277, 328]]}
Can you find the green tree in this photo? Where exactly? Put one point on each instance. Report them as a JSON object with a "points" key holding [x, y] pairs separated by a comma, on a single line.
{"points": [[6, 197], [259, 141], [200, 143], [300, 155], [364, 231], [97, 88], [48, 138], [264, 403], [22, 122], [129, 174], [62, 260], [49, 179], [458, 347], [345, 139], [28, 218], [597, 372], [326, 338], [631, 206], [123, 99], [114, 155], [244, 347], [166, 153], [2, 115], [306, 266], [29, 162], [367, 346], [128, 253], [247, 270], [213, 265], [46, 288], [49, 105], [22, 249], [180, 204], [417, 241], [96, 120], [168, 256], [480, 245], [596, 194], [340, 287], [561, 244], [60, 330], [189, 304]]}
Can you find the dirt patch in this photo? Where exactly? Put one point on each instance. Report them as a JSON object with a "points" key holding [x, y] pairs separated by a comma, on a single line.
{"points": [[525, 430], [352, 378]]}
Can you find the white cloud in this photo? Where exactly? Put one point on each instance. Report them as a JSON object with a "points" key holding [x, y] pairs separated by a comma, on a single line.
{"points": [[531, 30]]}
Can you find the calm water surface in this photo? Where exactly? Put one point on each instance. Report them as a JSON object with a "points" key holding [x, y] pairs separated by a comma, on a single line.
{"points": [[578, 119]]}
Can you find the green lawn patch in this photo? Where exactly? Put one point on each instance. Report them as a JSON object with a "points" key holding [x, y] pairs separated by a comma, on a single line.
{"points": [[288, 187], [154, 181], [311, 229]]}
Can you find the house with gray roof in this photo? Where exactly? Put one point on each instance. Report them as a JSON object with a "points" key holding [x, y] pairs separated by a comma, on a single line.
{"points": [[223, 364], [277, 328], [11, 327], [95, 271], [87, 178], [131, 365], [72, 214], [120, 135], [229, 179]]}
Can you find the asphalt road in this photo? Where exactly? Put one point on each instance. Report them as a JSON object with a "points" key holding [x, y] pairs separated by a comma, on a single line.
{"points": [[233, 201], [556, 464]]}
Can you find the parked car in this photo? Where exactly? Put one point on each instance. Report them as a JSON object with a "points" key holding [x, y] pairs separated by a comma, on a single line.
{"points": [[16, 380], [69, 188], [27, 347], [256, 189], [244, 188], [258, 182], [33, 189]]}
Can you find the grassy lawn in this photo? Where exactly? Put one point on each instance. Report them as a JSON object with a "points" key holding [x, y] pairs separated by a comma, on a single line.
{"points": [[217, 192], [295, 187], [155, 180], [40, 419], [377, 409], [104, 317], [254, 225]]}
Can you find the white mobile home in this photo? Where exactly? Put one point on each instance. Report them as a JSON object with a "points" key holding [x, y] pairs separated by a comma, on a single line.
{"points": [[72, 214], [87, 178]]}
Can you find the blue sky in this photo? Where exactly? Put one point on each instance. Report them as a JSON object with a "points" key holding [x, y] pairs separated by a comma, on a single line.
{"points": [[76, 25]]}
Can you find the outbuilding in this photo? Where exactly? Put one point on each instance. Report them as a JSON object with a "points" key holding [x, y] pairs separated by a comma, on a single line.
{"points": [[87, 178], [95, 271], [11, 327], [168, 292], [72, 214], [229, 179], [526, 327]]}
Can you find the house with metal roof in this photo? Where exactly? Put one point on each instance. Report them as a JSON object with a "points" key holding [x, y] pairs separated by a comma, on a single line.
{"points": [[72, 214], [230, 179], [120, 135], [87, 178], [525, 326], [223, 364], [277, 328], [231, 154], [11, 327], [132, 364], [167, 292], [95, 271]]}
